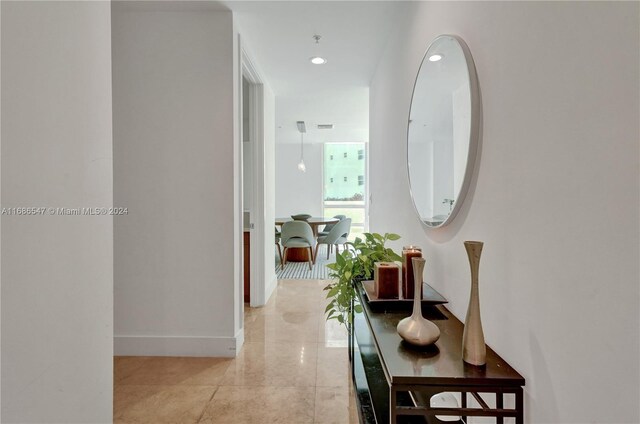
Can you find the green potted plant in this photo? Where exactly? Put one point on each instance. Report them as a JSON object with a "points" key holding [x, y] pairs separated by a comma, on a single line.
{"points": [[355, 263]]}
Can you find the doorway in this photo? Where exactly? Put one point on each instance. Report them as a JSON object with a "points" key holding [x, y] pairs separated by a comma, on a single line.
{"points": [[253, 187], [247, 186]]}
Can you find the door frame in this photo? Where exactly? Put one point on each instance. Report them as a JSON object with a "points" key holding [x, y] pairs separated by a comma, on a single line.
{"points": [[257, 210]]}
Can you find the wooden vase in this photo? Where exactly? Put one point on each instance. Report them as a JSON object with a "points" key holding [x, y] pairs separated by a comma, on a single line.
{"points": [[474, 351]]}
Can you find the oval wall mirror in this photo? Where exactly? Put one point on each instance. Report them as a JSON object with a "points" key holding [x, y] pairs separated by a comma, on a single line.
{"points": [[443, 130]]}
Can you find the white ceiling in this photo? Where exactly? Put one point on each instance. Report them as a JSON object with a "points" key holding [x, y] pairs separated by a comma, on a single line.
{"points": [[280, 38]]}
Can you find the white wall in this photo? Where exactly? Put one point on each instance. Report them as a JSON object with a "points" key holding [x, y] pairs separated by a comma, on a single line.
{"points": [[247, 150], [298, 192], [269, 189], [554, 198], [57, 273], [347, 109], [176, 169]]}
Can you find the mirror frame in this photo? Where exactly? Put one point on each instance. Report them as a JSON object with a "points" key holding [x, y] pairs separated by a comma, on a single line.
{"points": [[474, 130]]}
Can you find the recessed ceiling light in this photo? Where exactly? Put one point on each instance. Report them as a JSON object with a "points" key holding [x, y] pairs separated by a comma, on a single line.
{"points": [[435, 57]]}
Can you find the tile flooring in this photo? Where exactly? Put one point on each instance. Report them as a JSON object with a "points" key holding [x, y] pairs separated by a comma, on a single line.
{"points": [[293, 369]]}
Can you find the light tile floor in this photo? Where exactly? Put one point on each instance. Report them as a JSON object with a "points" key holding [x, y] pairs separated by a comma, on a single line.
{"points": [[293, 369]]}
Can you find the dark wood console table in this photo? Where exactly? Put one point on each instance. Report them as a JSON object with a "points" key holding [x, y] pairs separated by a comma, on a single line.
{"points": [[394, 381]]}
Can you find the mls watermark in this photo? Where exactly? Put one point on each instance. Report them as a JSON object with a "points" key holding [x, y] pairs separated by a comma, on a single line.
{"points": [[37, 211]]}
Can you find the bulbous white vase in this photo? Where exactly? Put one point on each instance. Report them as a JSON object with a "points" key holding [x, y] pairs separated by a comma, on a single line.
{"points": [[415, 329]]}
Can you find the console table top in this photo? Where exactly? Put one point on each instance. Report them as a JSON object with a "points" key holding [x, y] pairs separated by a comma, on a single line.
{"points": [[439, 364]]}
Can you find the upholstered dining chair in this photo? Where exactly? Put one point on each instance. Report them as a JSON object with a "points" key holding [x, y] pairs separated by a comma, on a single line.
{"points": [[278, 235], [328, 227], [297, 234], [336, 236]]}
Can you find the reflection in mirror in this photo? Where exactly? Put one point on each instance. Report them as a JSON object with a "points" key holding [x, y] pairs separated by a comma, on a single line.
{"points": [[443, 130]]}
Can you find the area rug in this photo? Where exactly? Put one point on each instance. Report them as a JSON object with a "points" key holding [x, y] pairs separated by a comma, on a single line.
{"points": [[300, 270]]}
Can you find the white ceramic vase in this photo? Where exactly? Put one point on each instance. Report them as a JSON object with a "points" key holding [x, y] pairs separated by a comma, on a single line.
{"points": [[415, 329]]}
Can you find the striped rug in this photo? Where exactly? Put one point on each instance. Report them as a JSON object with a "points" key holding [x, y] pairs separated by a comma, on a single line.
{"points": [[300, 270]]}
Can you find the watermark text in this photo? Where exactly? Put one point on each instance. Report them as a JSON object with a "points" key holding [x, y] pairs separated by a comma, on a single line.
{"points": [[60, 211]]}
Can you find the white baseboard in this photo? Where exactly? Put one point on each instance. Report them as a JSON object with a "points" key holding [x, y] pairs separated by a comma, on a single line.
{"points": [[177, 346], [239, 340], [270, 288]]}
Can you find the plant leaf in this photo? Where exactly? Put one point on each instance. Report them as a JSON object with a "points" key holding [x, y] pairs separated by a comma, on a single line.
{"points": [[332, 266]]}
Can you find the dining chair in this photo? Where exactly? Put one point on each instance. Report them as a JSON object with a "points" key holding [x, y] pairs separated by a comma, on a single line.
{"points": [[297, 234], [328, 227], [336, 237], [278, 234]]}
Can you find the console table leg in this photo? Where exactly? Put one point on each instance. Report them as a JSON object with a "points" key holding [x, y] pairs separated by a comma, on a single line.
{"points": [[499, 405], [463, 404], [393, 412], [519, 407]]}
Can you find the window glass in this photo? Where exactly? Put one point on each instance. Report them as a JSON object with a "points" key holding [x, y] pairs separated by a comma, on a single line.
{"points": [[344, 183]]}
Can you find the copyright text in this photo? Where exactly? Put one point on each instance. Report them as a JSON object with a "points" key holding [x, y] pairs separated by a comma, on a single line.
{"points": [[36, 211]]}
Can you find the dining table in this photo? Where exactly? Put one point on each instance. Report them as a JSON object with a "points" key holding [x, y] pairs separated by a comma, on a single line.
{"points": [[302, 254]]}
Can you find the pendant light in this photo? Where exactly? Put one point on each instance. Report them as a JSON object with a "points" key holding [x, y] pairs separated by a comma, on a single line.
{"points": [[303, 129], [317, 59]]}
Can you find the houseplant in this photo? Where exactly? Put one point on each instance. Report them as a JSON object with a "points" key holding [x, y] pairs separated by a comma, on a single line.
{"points": [[356, 262]]}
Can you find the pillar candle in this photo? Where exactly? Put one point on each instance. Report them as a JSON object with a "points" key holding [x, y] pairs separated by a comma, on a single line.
{"points": [[407, 271], [403, 271], [386, 277]]}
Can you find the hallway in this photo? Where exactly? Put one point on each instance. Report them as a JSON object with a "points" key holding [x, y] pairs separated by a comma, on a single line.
{"points": [[293, 368]]}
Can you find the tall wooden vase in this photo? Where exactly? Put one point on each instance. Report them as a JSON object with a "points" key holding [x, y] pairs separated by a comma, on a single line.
{"points": [[474, 351]]}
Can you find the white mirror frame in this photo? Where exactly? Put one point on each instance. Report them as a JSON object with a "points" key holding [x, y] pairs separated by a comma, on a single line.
{"points": [[474, 131]]}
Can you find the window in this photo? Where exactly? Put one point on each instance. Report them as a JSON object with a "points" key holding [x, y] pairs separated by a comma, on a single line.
{"points": [[345, 184]]}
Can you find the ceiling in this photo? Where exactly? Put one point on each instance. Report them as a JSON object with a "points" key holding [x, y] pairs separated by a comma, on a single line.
{"points": [[279, 35]]}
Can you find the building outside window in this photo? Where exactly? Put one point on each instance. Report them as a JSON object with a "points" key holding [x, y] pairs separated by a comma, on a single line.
{"points": [[346, 195]]}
